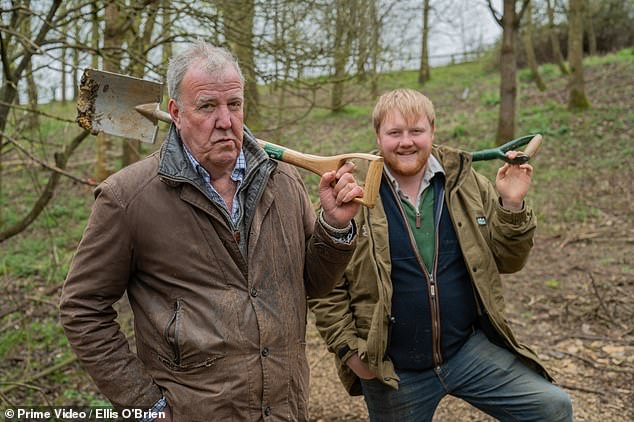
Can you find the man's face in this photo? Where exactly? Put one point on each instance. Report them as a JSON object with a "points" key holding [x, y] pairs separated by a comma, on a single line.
{"points": [[405, 146], [210, 116]]}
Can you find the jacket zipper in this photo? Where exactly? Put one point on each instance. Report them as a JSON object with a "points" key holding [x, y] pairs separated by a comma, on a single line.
{"points": [[172, 339], [433, 277]]}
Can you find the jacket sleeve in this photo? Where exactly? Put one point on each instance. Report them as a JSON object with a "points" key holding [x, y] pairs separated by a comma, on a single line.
{"points": [[511, 232], [335, 321], [97, 279], [325, 259]]}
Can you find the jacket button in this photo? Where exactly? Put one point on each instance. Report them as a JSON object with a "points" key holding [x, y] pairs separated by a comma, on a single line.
{"points": [[254, 292], [236, 236], [474, 269], [265, 351], [267, 411]]}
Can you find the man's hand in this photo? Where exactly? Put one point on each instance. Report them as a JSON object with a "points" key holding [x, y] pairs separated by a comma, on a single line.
{"points": [[336, 192], [512, 183], [359, 367]]}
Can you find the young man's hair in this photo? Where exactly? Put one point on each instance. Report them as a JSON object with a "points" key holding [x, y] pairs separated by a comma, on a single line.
{"points": [[410, 103]]}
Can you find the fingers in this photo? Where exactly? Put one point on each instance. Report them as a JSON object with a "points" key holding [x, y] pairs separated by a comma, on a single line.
{"points": [[527, 168], [346, 188], [347, 167]]}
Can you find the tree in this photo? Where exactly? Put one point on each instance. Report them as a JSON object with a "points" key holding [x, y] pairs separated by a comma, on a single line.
{"points": [[115, 27], [138, 40], [530, 50], [424, 73], [577, 99], [554, 37], [590, 9], [341, 53], [376, 47], [17, 50], [510, 23], [238, 18], [31, 120]]}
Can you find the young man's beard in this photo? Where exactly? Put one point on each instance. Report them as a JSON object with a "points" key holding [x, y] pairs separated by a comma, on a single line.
{"points": [[406, 169]]}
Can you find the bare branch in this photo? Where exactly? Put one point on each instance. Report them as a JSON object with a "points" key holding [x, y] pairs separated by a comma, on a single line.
{"points": [[45, 196]]}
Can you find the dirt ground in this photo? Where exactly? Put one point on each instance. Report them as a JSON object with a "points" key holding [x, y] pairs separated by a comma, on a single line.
{"points": [[568, 305]]}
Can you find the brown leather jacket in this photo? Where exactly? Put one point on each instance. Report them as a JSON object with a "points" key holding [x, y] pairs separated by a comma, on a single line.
{"points": [[219, 312]]}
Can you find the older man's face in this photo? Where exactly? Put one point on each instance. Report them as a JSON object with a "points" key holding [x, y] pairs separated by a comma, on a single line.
{"points": [[210, 116]]}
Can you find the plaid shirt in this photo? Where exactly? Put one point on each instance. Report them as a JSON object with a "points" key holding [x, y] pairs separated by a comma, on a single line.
{"points": [[237, 175]]}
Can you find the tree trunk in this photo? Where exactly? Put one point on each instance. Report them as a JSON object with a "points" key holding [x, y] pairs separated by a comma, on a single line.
{"points": [[376, 48], [238, 30], [424, 73], [577, 99], [112, 48], [530, 50], [32, 120], [131, 148], [341, 54], [94, 34], [76, 35], [166, 25], [62, 57], [590, 33], [510, 22], [554, 38]]}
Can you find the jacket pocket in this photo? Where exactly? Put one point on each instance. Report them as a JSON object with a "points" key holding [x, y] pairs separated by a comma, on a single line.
{"points": [[171, 332], [173, 336]]}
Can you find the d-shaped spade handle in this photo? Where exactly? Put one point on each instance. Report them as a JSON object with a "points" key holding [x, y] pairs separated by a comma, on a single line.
{"points": [[532, 142]]}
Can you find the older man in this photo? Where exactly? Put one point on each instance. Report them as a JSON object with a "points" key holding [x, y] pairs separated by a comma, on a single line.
{"points": [[217, 247]]}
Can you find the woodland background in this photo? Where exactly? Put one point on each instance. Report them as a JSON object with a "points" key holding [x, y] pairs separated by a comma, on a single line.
{"points": [[564, 69]]}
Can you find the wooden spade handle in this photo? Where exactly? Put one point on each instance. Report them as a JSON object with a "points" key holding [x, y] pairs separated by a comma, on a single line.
{"points": [[320, 165], [533, 146]]}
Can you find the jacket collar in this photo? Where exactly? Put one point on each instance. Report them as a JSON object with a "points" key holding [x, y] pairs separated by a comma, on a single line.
{"points": [[456, 164]]}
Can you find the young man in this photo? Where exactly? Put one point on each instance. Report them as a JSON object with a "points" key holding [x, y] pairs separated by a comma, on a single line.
{"points": [[217, 247], [419, 313]]}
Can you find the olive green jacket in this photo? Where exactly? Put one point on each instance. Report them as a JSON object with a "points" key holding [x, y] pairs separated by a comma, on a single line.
{"points": [[355, 314]]}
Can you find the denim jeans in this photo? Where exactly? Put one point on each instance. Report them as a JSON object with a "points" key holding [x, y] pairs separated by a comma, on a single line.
{"points": [[487, 376]]}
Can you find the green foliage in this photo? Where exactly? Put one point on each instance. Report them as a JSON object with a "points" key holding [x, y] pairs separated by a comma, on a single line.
{"points": [[38, 336], [85, 398], [491, 99], [552, 283], [459, 131], [549, 71]]}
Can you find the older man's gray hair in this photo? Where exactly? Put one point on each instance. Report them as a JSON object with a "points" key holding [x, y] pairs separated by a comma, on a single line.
{"points": [[210, 57]]}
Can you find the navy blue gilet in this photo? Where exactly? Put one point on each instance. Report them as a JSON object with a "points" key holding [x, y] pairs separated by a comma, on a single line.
{"points": [[410, 336]]}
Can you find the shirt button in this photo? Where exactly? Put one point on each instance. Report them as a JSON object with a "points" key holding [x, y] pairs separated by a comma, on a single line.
{"points": [[254, 292], [265, 351], [267, 411]]}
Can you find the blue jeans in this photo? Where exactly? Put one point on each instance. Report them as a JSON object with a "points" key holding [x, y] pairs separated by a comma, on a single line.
{"points": [[487, 376]]}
